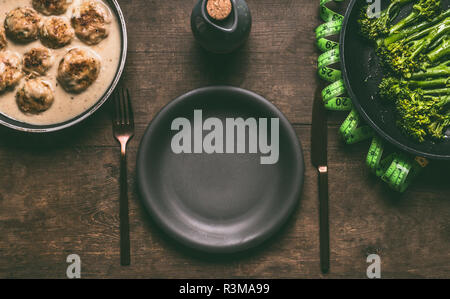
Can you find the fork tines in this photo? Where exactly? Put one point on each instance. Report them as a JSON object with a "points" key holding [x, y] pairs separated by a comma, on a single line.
{"points": [[123, 109]]}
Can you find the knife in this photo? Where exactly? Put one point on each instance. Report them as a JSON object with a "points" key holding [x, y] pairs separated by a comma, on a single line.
{"points": [[319, 144]]}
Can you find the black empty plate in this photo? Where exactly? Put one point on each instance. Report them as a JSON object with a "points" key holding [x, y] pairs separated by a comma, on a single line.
{"points": [[219, 203]]}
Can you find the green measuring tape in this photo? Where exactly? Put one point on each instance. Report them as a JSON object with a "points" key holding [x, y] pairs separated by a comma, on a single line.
{"points": [[396, 169]]}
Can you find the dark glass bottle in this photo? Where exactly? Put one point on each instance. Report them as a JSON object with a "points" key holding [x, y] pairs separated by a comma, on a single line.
{"points": [[225, 35]]}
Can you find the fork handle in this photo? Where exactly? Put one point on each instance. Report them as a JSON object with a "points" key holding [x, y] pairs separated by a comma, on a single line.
{"points": [[124, 220]]}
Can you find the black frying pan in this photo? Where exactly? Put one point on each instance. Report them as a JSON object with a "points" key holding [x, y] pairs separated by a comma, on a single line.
{"points": [[362, 74]]}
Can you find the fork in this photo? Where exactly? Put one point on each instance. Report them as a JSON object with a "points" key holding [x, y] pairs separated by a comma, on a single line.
{"points": [[123, 129]]}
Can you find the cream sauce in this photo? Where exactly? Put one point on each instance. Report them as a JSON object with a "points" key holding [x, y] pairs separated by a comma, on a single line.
{"points": [[66, 105]]}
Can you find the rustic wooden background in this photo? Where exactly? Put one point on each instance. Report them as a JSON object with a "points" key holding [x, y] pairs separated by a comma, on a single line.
{"points": [[59, 193]]}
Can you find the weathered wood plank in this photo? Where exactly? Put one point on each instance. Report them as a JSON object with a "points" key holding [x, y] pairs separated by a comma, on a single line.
{"points": [[58, 192], [63, 200]]}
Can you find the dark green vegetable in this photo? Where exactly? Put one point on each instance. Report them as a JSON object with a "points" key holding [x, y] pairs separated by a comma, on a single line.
{"points": [[423, 115], [416, 52], [420, 105], [407, 56], [423, 10], [375, 27], [414, 31], [442, 50], [440, 70], [392, 88]]}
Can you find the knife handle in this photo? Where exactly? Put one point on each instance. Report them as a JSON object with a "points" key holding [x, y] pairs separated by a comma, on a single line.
{"points": [[323, 215]]}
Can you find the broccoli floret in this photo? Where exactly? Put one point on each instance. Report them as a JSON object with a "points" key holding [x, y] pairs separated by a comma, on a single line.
{"points": [[424, 10], [377, 26], [413, 115], [416, 51], [419, 110], [407, 56], [392, 88], [437, 127], [421, 115]]}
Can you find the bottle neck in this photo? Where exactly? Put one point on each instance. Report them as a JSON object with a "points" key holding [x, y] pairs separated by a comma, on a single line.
{"points": [[219, 10]]}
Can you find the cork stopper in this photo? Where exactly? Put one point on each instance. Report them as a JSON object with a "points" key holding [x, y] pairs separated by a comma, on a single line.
{"points": [[219, 9]]}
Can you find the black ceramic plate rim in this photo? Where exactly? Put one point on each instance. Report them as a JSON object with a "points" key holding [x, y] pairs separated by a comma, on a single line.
{"points": [[179, 235], [357, 105], [29, 128]]}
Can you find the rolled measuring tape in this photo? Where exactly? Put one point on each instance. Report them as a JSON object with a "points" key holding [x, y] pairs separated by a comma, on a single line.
{"points": [[333, 95], [396, 169]]}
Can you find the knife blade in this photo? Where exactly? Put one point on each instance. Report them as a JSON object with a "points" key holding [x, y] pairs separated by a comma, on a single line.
{"points": [[319, 144], [319, 137]]}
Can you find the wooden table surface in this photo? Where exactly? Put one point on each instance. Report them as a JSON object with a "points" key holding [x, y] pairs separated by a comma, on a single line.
{"points": [[59, 193]]}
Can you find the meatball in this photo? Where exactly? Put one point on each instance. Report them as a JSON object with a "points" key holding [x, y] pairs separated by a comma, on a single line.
{"points": [[52, 7], [35, 96], [90, 21], [10, 69], [56, 32], [38, 61], [3, 42], [22, 24], [78, 69]]}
